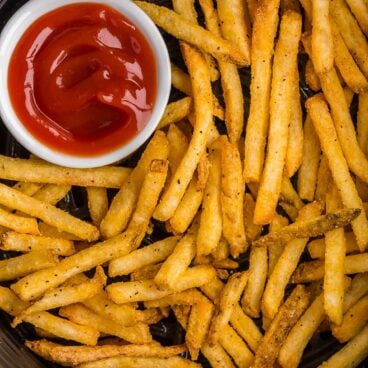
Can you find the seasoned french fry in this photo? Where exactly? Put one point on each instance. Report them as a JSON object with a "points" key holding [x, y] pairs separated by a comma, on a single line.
{"points": [[311, 77], [178, 144], [18, 223], [280, 327], [97, 204], [27, 187], [176, 111], [307, 175], [193, 34], [217, 356], [74, 355], [52, 193], [252, 231], [77, 313], [322, 179], [322, 46], [123, 203], [362, 126], [286, 264], [309, 228], [351, 354], [353, 322], [26, 243], [202, 95], [325, 129], [10, 303], [232, 194], [358, 288], [182, 314], [142, 257], [283, 80], [187, 297], [38, 171], [265, 25], [360, 10], [53, 232], [289, 195], [314, 270]]}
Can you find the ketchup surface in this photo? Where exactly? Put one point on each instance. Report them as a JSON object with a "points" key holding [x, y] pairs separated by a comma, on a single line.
{"points": [[82, 79]]}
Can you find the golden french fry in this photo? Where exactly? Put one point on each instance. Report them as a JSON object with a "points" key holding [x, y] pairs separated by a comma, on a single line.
{"points": [[97, 204], [210, 228], [360, 10], [13, 241], [38, 171], [77, 313], [193, 34], [286, 318], [203, 107], [217, 356], [314, 270], [353, 322], [74, 355], [178, 144], [265, 25], [283, 80], [252, 231], [311, 77], [309, 228], [181, 313], [10, 303], [358, 288], [187, 297], [232, 194], [325, 129], [362, 118], [52, 193], [176, 111], [322, 46], [52, 232], [350, 356], [27, 187], [122, 206], [145, 273], [286, 265], [151, 254], [289, 194], [307, 174], [18, 223], [322, 179]]}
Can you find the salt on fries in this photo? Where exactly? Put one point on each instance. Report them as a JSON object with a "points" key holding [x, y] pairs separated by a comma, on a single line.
{"points": [[296, 183]]}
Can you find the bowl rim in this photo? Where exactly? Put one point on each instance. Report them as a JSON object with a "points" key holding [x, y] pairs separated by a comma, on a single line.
{"points": [[9, 38]]}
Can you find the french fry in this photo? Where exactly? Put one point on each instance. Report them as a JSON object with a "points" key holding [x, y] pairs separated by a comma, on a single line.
{"points": [[181, 313], [289, 195], [358, 288], [353, 322], [252, 231], [322, 179], [193, 34], [362, 126], [307, 174], [177, 262], [258, 267], [52, 232], [176, 111], [222, 251], [322, 46], [74, 355], [334, 262], [351, 33], [13, 241], [27, 187], [17, 223], [122, 206], [311, 77], [230, 295], [280, 327], [265, 25], [217, 356], [52, 193], [145, 273], [351, 354], [309, 228], [345, 63], [97, 204], [25, 264], [178, 144], [286, 264], [187, 297], [210, 228], [252, 6], [151, 254], [63, 328], [38, 171], [325, 129], [77, 313], [10, 303], [232, 194], [316, 247], [283, 80], [202, 95], [314, 270], [360, 10]]}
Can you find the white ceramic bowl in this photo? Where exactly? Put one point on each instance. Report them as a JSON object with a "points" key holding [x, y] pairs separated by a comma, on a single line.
{"points": [[9, 38]]}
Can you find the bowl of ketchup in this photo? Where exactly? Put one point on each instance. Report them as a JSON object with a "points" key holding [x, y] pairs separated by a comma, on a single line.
{"points": [[82, 83]]}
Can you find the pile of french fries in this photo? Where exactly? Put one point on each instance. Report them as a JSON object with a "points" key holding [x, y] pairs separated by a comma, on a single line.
{"points": [[290, 182]]}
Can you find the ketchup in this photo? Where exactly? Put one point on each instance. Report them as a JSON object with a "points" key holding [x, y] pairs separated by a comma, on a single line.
{"points": [[82, 79]]}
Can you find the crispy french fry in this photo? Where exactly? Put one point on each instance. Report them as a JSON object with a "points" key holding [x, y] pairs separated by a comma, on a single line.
{"points": [[307, 175], [314, 270], [52, 193], [178, 144], [311, 77], [283, 80], [217, 356], [181, 313], [360, 10], [358, 288], [122, 206], [142, 257], [38, 171], [176, 111], [187, 297], [232, 194], [27, 187], [10, 303], [13, 241], [280, 327], [322, 179], [202, 95], [53, 232], [325, 129], [77, 313], [74, 355], [265, 25], [322, 46], [18, 223], [351, 354], [97, 204], [252, 231], [289, 195], [353, 322], [286, 264], [309, 228], [362, 126], [193, 34]]}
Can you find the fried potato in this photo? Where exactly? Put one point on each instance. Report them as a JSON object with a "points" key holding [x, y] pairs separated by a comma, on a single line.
{"points": [[10, 303], [252, 230], [187, 297], [360, 10], [362, 126], [176, 111], [217, 356], [322, 179], [358, 288], [18, 223], [97, 204], [311, 77]]}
